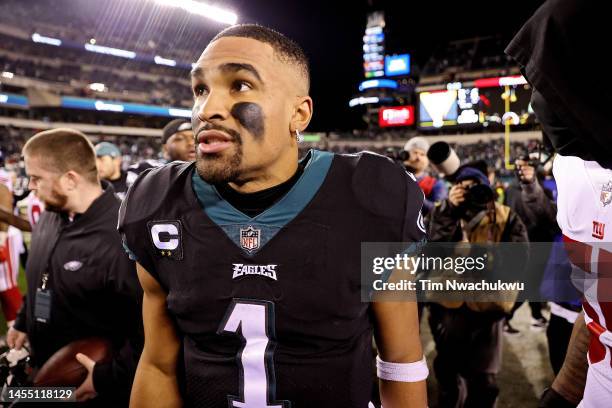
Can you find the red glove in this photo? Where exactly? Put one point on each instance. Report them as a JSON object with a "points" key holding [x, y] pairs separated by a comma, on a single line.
{"points": [[3, 253]]}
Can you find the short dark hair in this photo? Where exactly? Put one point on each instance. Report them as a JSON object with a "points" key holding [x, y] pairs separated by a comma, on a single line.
{"points": [[173, 127], [285, 48], [63, 150]]}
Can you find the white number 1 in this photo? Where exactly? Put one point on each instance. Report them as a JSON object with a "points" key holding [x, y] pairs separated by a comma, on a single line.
{"points": [[254, 320]]}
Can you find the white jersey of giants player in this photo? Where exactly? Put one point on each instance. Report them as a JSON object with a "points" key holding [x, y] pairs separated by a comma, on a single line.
{"points": [[6, 179], [34, 208], [585, 217], [12, 245], [9, 269]]}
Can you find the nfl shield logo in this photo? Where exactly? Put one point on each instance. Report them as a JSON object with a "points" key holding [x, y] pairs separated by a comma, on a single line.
{"points": [[606, 194], [249, 238]]}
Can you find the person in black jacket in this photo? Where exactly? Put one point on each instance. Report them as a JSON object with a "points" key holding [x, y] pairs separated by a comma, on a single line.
{"points": [[108, 160], [77, 266], [537, 208], [468, 334]]}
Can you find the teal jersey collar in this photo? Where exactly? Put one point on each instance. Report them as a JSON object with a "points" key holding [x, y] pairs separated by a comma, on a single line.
{"points": [[282, 212]]}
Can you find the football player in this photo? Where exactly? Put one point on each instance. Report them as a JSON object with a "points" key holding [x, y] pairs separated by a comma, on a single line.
{"points": [[251, 259], [11, 246], [555, 48], [177, 144]]}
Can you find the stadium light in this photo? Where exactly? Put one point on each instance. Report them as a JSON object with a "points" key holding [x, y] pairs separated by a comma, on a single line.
{"points": [[110, 107], [37, 38], [98, 87], [363, 101], [182, 113], [110, 51], [164, 61], [205, 10], [377, 83]]}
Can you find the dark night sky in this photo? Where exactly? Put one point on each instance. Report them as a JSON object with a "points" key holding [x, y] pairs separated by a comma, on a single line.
{"points": [[331, 34]]}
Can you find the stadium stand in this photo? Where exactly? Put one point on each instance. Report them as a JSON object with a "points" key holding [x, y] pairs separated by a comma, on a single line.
{"points": [[126, 25], [70, 72], [475, 54]]}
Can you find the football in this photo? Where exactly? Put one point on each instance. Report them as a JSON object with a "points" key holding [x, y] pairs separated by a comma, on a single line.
{"points": [[63, 369]]}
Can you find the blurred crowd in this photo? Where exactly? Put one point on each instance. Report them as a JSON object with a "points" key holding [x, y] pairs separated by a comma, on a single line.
{"points": [[469, 55], [129, 27], [71, 72], [135, 149]]}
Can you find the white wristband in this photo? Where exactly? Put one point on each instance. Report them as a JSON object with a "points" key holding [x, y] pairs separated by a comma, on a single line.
{"points": [[403, 372]]}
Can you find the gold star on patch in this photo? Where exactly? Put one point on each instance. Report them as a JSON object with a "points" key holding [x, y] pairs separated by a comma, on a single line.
{"points": [[163, 253]]}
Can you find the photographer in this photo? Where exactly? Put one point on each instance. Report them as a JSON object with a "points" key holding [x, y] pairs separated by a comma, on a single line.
{"points": [[533, 202], [537, 209], [417, 162], [468, 335]]}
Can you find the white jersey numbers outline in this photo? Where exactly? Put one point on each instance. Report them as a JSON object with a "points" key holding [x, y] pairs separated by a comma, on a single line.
{"points": [[253, 320]]}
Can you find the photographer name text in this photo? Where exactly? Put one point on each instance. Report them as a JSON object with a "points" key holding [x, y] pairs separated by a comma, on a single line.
{"points": [[447, 285]]}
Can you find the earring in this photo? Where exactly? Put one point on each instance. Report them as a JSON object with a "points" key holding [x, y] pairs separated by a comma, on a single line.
{"points": [[298, 136]]}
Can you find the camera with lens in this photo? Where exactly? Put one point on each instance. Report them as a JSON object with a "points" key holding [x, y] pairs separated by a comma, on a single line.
{"points": [[540, 159], [478, 195], [445, 160], [399, 155]]}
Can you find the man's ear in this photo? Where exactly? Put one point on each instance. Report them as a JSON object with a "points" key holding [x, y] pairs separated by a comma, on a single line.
{"points": [[70, 180], [302, 114]]}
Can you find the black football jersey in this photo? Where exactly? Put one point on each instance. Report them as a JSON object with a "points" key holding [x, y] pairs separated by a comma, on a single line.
{"points": [[269, 307], [136, 169]]}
